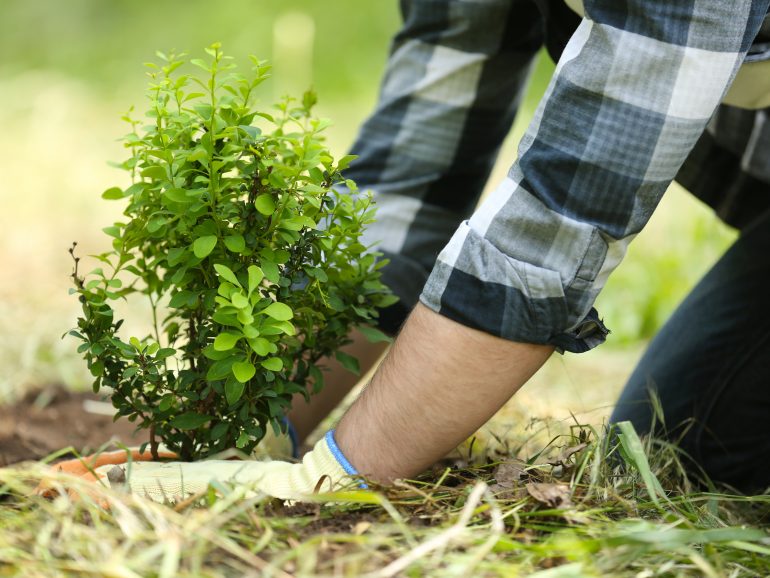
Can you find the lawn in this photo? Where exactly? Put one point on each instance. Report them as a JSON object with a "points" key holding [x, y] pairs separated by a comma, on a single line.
{"points": [[586, 505]]}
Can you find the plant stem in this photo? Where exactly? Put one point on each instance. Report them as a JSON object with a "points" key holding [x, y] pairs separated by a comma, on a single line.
{"points": [[153, 444]]}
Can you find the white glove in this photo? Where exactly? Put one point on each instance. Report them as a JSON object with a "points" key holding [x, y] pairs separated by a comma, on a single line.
{"points": [[323, 469]]}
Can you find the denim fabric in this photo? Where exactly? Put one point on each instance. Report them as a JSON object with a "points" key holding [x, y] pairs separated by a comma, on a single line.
{"points": [[710, 368]]}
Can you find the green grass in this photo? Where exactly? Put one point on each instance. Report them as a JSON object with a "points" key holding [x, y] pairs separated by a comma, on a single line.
{"points": [[641, 517]]}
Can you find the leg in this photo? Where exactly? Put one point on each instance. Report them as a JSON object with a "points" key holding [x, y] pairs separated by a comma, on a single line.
{"points": [[710, 366]]}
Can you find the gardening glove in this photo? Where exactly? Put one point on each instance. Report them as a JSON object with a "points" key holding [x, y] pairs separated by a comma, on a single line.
{"points": [[323, 469], [281, 446]]}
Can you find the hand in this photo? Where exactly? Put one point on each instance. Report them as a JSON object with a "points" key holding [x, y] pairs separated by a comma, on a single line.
{"points": [[322, 469], [85, 468]]}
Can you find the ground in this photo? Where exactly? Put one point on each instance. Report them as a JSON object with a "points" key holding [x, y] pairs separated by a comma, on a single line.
{"points": [[553, 499], [48, 420]]}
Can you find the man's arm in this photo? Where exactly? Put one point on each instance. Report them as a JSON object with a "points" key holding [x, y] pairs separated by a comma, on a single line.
{"points": [[438, 384], [632, 92]]}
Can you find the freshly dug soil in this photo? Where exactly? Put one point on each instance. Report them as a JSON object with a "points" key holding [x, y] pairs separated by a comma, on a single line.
{"points": [[48, 420]]}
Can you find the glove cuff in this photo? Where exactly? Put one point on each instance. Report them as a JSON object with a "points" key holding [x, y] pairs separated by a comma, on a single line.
{"points": [[331, 441]]}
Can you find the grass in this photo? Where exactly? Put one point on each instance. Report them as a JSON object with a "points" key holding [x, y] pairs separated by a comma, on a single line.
{"points": [[584, 505]]}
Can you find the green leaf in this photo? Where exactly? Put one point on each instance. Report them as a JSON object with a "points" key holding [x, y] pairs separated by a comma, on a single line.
{"points": [[345, 161], [373, 335], [265, 204], [255, 277], [183, 299], [233, 390], [199, 154], [336, 303], [277, 181], [112, 231], [226, 273], [202, 246], [225, 341], [245, 317], [113, 193], [200, 63], [273, 364], [224, 318], [219, 430], [385, 300], [242, 440], [284, 327], [278, 311], [243, 371], [235, 243], [155, 223], [154, 172], [271, 271], [177, 196], [281, 256], [294, 224], [261, 346], [220, 369], [240, 301], [190, 420], [348, 362], [250, 331], [318, 378], [275, 327], [176, 255], [317, 273], [97, 368]]}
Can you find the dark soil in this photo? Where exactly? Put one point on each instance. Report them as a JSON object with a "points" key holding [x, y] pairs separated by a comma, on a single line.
{"points": [[51, 419]]}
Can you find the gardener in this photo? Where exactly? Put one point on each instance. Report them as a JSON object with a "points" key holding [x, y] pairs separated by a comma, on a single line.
{"points": [[633, 104]]}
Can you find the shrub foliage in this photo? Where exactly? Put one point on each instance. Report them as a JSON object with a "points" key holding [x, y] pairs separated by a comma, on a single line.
{"points": [[243, 238]]}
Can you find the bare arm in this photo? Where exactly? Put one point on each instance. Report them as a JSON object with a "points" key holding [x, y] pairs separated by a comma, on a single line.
{"points": [[439, 383]]}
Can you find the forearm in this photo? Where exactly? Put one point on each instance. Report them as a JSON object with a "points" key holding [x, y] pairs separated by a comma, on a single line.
{"points": [[439, 383]]}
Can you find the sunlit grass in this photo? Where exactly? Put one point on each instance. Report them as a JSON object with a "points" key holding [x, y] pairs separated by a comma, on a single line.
{"points": [[636, 515]]}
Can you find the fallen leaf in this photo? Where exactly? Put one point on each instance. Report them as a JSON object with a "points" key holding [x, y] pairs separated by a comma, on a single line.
{"points": [[566, 453], [552, 495], [509, 473]]}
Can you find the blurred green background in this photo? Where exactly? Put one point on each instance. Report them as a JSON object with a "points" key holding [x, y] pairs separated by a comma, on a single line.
{"points": [[70, 68]]}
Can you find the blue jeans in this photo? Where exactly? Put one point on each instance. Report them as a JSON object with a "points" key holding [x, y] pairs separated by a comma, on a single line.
{"points": [[710, 367]]}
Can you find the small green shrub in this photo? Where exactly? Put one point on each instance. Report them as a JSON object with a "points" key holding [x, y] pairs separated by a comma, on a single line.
{"points": [[247, 255]]}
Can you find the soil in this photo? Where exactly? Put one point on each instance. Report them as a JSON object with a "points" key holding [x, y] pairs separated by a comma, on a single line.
{"points": [[52, 419]]}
